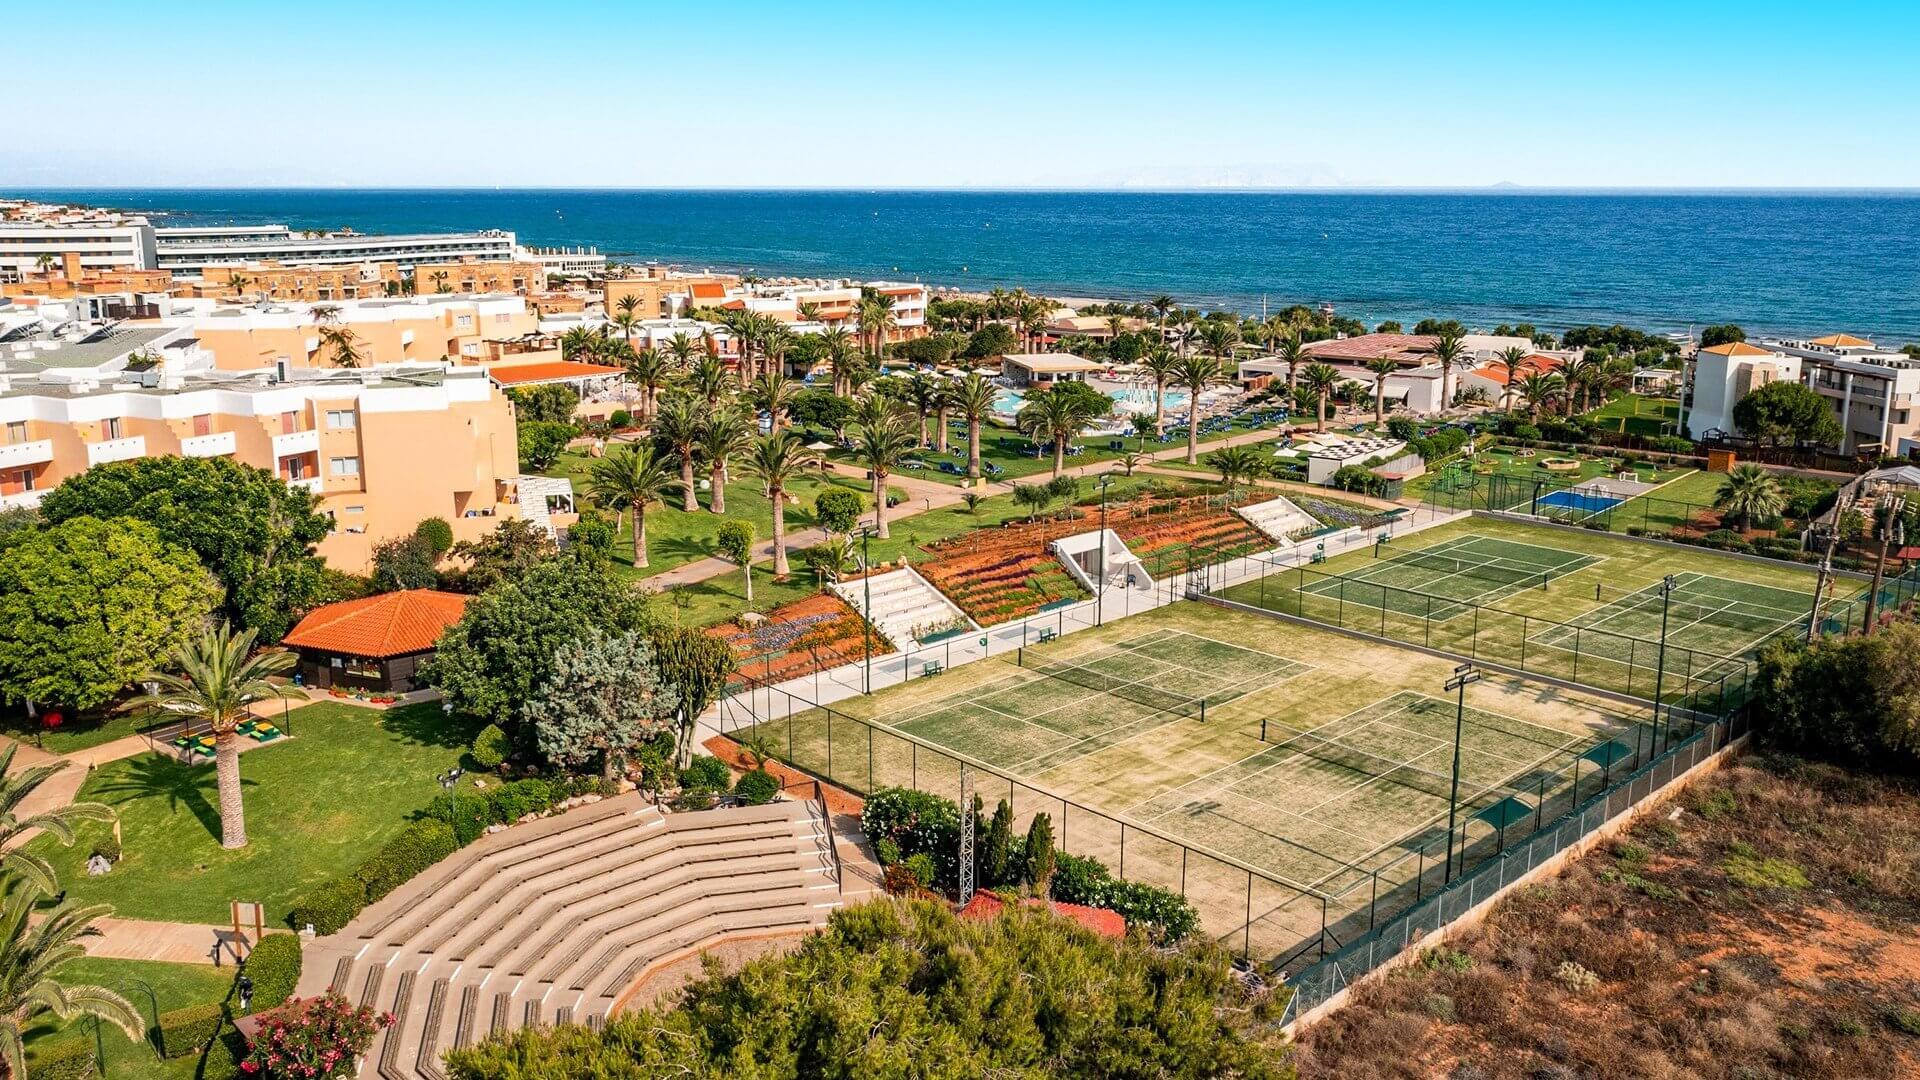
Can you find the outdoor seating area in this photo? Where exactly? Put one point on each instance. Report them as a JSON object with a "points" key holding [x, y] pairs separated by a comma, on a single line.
{"points": [[192, 745]]}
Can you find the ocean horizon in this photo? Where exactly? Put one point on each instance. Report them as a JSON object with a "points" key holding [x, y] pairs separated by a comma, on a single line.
{"points": [[1784, 261]]}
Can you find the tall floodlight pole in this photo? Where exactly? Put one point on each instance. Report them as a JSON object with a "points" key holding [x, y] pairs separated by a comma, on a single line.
{"points": [[966, 835], [1100, 596], [1462, 676], [1667, 585], [866, 613], [1889, 529], [1832, 538]]}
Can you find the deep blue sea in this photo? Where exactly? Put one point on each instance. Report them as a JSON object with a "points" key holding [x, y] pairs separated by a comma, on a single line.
{"points": [[1790, 262]]}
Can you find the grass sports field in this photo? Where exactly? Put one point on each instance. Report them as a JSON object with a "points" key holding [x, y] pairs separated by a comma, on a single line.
{"points": [[1320, 759], [1575, 604]]}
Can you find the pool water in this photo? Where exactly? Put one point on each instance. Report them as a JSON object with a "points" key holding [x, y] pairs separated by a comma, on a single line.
{"points": [[1010, 401]]}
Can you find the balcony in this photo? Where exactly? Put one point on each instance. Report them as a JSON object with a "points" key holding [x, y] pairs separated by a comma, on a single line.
{"points": [[99, 453], [26, 453], [297, 442], [28, 499], [215, 445], [314, 484]]}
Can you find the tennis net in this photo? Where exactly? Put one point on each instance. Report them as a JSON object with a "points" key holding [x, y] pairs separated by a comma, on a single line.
{"points": [[1448, 564], [1369, 764], [1126, 689]]}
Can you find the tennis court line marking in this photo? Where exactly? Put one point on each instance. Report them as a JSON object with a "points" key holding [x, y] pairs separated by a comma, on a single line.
{"points": [[1642, 600], [1498, 591]]}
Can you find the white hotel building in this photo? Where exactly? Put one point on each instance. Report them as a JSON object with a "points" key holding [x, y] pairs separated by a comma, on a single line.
{"points": [[189, 250]]}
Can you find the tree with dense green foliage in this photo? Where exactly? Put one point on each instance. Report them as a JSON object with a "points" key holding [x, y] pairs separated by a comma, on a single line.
{"points": [[628, 480], [1723, 334], [602, 700], [541, 443], [86, 606], [549, 404], [1057, 415], [697, 665], [246, 525], [219, 678], [993, 339], [838, 510], [1197, 373], [1236, 464], [902, 989], [1787, 412], [1439, 327], [436, 533], [491, 662], [1035, 497], [32, 951], [1318, 381], [996, 848], [822, 408], [1853, 699], [883, 442], [593, 533], [725, 435], [678, 427], [734, 543], [1542, 390], [779, 460], [404, 562], [515, 546], [1748, 495]]}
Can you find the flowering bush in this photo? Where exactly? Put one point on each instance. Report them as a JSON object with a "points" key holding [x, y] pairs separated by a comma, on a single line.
{"points": [[312, 1039]]}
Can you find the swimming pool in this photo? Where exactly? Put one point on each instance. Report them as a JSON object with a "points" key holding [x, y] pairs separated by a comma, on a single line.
{"points": [[1585, 502], [1127, 398]]}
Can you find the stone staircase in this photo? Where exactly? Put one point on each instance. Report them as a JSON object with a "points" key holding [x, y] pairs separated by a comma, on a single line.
{"points": [[1277, 517], [554, 921], [903, 602]]}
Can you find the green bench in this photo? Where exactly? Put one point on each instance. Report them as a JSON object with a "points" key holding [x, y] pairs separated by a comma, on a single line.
{"points": [[1048, 634], [934, 668]]}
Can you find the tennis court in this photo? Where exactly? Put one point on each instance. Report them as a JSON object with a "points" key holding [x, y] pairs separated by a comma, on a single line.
{"points": [[1327, 806], [1712, 615], [1469, 569], [1048, 712]]}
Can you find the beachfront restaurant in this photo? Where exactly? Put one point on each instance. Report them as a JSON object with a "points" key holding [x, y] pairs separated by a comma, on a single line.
{"points": [[1045, 369]]}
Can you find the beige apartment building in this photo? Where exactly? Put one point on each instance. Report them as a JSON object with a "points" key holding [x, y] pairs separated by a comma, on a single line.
{"points": [[659, 293], [332, 284], [400, 330], [380, 450]]}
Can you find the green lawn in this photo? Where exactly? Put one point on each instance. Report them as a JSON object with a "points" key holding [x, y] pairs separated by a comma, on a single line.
{"points": [[74, 732], [1638, 414], [173, 986], [316, 803]]}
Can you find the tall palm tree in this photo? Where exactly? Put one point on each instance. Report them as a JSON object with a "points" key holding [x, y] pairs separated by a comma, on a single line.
{"points": [[682, 349], [942, 406], [1448, 351], [1162, 304], [710, 379], [1320, 379], [775, 343], [1292, 352], [1541, 389], [439, 279], [876, 318], [923, 395], [626, 322], [1236, 463], [883, 440], [725, 434], [772, 393], [31, 955], [220, 676], [628, 480], [1381, 366], [1196, 372], [1031, 318], [1056, 417], [778, 460], [841, 357], [59, 822], [326, 314], [628, 305], [973, 399], [649, 371], [239, 283], [1162, 364], [1510, 361], [680, 424], [1749, 494]]}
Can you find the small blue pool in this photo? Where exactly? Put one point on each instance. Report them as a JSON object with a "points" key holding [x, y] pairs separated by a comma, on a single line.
{"points": [[1585, 502]]}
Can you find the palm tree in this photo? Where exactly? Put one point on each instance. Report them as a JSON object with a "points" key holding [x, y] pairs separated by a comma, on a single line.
{"points": [[239, 283], [44, 264], [1031, 318], [680, 425], [439, 279], [1584, 375], [942, 405], [326, 314], [220, 676], [1749, 494], [839, 345], [973, 399], [778, 460], [626, 322], [1162, 304], [1292, 352], [15, 789], [710, 379], [1448, 351], [923, 395], [772, 393], [681, 348], [1056, 416], [627, 305], [776, 341], [1510, 360], [1320, 379], [876, 318], [31, 955], [1220, 338], [1196, 372], [627, 480], [883, 441], [1162, 364], [1381, 366], [342, 345], [648, 370], [1236, 463], [725, 434], [1541, 389]]}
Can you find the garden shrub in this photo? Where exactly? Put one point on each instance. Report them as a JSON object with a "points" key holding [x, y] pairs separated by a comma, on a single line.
{"points": [[107, 847], [1525, 433], [417, 847], [1080, 880], [620, 418], [756, 787], [917, 823], [223, 1057], [490, 748], [331, 906], [1164, 914], [654, 759], [920, 867], [468, 813], [1672, 444], [437, 533], [186, 1030], [886, 851], [274, 967], [66, 1059], [509, 803], [706, 773]]}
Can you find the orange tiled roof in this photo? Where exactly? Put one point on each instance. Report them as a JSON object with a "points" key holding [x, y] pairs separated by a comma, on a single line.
{"points": [[547, 371], [707, 290], [391, 624], [1532, 364], [986, 905], [1737, 348], [1843, 341]]}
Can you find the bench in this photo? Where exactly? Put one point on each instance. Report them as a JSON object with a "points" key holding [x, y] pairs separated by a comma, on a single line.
{"points": [[1047, 634], [930, 669]]}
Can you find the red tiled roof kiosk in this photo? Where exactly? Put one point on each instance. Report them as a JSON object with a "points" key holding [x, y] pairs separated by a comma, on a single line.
{"points": [[374, 643]]}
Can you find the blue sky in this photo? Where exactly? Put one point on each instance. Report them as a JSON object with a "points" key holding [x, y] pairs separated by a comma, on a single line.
{"points": [[987, 94]]}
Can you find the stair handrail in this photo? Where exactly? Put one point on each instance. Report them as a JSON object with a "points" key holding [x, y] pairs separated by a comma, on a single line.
{"points": [[826, 820]]}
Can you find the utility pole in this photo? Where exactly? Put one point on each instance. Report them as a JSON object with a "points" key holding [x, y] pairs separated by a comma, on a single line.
{"points": [[966, 835], [1889, 528], [1463, 675], [1667, 585], [1841, 506]]}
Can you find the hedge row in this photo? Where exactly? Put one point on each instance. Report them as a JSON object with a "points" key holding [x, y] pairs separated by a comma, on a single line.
{"points": [[274, 967], [188, 1030], [449, 823], [68, 1059]]}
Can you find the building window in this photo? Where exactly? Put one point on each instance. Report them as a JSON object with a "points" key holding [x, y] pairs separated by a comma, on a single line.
{"points": [[341, 419], [110, 428], [16, 431], [344, 466], [464, 321]]}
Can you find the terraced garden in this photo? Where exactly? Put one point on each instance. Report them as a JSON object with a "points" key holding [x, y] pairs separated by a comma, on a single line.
{"points": [[814, 634]]}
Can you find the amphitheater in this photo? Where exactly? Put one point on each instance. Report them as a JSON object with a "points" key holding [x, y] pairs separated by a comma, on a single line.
{"points": [[563, 919]]}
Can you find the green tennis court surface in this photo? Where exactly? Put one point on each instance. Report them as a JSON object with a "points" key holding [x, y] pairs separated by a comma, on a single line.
{"points": [[1439, 581], [1062, 708], [1324, 808], [1712, 615]]}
